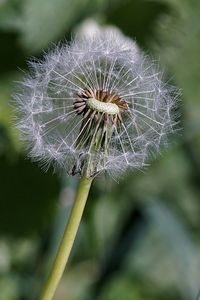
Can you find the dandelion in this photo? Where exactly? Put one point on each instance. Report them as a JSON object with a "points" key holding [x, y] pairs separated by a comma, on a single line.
{"points": [[96, 105]]}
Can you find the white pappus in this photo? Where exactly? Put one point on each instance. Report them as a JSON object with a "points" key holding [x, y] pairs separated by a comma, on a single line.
{"points": [[97, 104]]}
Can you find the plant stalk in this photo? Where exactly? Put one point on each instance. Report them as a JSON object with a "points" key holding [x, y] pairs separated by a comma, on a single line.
{"points": [[67, 240]]}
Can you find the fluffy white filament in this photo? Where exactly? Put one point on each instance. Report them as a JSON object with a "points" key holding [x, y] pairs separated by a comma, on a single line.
{"points": [[109, 62]]}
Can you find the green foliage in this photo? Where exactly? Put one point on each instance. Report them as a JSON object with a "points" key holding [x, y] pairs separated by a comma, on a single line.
{"points": [[39, 23], [139, 239]]}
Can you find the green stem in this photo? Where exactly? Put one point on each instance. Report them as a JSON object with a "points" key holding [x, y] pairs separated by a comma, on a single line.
{"points": [[67, 240]]}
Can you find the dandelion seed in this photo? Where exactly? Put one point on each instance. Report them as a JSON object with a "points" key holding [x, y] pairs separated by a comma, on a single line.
{"points": [[98, 104]]}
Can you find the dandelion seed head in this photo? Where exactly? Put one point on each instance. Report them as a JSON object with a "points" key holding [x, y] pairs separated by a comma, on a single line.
{"points": [[98, 104]]}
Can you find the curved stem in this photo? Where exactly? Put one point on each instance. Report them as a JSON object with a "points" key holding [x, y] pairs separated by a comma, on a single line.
{"points": [[67, 240]]}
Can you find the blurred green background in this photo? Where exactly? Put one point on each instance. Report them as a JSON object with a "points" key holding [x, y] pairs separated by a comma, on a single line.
{"points": [[139, 238]]}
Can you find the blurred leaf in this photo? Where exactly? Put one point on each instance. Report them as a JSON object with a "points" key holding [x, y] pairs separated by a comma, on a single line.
{"points": [[167, 178], [8, 132], [41, 22], [122, 287], [9, 288], [179, 47], [44, 21], [183, 250], [168, 242]]}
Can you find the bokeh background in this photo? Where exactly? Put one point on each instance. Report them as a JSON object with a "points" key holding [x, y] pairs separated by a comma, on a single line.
{"points": [[140, 237]]}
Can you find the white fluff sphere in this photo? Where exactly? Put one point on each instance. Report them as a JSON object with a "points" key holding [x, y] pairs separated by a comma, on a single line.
{"points": [[128, 115]]}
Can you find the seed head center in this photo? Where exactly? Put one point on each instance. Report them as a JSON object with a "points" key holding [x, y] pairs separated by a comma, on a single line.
{"points": [[103, 107], [100, 105]]}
